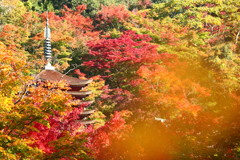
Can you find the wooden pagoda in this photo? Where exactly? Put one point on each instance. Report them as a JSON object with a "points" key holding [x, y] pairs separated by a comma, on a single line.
{"points": [[76, 85]]}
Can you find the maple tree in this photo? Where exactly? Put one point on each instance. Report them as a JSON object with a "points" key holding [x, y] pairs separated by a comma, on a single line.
{"points": [[163, 83], [110, 17], [12, 80], [117, 59], [103, 139]]}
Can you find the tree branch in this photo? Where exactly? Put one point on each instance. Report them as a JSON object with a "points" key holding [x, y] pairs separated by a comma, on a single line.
{"points": [[74, 67], [23, 94], [237, 37]]}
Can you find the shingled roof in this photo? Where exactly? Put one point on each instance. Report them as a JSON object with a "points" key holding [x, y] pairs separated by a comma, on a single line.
{"points": [[53, 75]]}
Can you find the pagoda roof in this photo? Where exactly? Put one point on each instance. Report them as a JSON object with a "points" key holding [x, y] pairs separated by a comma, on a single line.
{"points": [[79, 94], [52, 75], [86, 122], [88, 111]]}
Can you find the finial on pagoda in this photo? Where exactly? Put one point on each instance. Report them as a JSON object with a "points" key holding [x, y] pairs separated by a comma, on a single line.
{"points": [[47, 46]]}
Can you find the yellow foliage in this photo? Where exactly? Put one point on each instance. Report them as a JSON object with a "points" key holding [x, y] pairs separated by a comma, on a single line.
{"points": [[11, 10], [6, 104], [13, 66]]}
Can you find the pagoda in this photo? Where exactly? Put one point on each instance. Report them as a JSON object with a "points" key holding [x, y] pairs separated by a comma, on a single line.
{"points": [[76, 85]]}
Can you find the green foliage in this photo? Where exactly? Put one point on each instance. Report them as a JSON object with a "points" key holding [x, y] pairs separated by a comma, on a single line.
{"points": [[211, 15], [39, 5], [93, 6]]}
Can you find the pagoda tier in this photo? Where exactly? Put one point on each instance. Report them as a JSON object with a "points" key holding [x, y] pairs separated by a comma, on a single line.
{"points": [[75, 90], [87, 122], [52, 75], [79, 94], [86, 113], [84, 103]]}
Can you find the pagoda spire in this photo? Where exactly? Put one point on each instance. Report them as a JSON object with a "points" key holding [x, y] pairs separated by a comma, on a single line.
{"points": [[47, 46]]}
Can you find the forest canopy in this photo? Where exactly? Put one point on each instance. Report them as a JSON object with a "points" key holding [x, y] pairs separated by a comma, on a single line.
{"points": [[165, 79]]}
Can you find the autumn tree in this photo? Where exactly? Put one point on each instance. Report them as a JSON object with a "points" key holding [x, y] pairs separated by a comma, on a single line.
{"points": [[217, 20], [29, 108], [12, 82], [38, 119], [117, 59], [179, 95], [111, 17], [68, 41]]}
